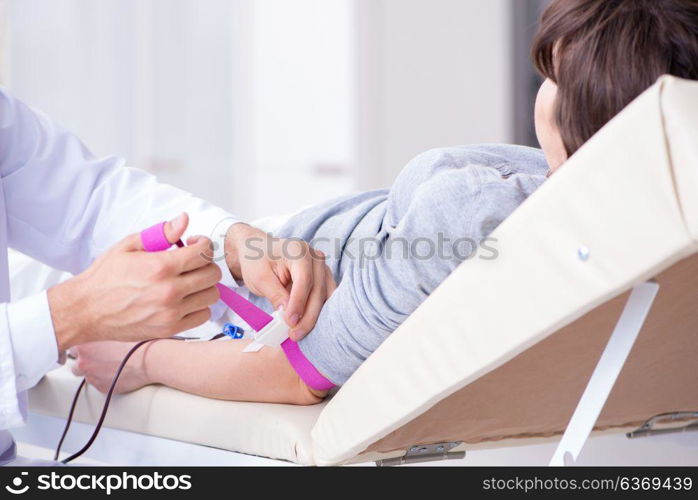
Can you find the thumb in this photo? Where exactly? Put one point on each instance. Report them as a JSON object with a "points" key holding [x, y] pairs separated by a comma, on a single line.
{"points": [[173, 229]]}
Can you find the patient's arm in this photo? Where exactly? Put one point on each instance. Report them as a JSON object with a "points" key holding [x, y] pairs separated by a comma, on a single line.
{"points": [[216, 369]]}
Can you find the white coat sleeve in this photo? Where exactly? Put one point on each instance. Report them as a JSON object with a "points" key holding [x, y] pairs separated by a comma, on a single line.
{"points": [[64, 207]]}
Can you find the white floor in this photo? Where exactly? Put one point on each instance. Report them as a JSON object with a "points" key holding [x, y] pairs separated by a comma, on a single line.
{"points": [[115, 447]]}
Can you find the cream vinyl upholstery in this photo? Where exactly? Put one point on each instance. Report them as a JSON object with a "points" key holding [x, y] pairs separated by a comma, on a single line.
{"points": [[629, 197], [269, 430]]}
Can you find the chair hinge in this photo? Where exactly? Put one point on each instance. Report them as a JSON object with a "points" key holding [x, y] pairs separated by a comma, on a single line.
{"points": [[425, 453], [680, 421]]}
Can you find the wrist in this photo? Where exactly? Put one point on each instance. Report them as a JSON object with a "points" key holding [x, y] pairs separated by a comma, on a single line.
{"points": [[69, 313], [141, 361], [153, 357], [234, 239]]}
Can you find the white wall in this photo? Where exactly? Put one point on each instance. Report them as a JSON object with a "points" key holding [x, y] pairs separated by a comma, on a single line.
{"points": [[340, 94], [433, 73], [149, 80], [68, 59], [264, 106], [296, 83]]}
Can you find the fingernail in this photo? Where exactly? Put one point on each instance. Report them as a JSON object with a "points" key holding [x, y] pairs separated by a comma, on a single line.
{"points": [[176, 223], [293, 320]]}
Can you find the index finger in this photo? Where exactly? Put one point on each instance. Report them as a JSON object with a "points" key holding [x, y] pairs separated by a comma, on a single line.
{"points": [[316, 299], [194, 256], [302, 281]]}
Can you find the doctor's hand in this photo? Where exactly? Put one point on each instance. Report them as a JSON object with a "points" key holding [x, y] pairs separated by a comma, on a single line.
{"points": [[288, 272], [129, 294]]}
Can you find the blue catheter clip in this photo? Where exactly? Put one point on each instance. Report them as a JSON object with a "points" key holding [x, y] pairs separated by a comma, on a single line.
{"points": [[233, 331]]}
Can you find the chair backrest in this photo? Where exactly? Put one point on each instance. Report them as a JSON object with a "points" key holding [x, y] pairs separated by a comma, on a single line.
{"points": [[535, 393], [627, 198]]}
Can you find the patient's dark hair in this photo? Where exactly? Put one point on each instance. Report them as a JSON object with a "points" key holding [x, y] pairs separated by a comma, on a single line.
{"points": [[604, 53]]}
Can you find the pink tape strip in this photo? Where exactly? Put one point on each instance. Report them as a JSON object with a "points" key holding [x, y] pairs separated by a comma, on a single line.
{"points": [[154, 239], [253, 315], [304, 368]]}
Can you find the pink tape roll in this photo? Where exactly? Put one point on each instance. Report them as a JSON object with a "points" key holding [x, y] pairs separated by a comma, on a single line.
{"points": [[154, 239]]}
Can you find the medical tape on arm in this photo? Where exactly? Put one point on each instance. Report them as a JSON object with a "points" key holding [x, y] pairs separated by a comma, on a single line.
{"points": [[269, 329]]}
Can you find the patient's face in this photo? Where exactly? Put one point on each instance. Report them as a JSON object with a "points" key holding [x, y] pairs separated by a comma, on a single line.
{"points": [[546, 129]]}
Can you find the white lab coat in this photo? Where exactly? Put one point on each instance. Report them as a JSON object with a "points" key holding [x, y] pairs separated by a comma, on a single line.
{"points": [[62, 206]]}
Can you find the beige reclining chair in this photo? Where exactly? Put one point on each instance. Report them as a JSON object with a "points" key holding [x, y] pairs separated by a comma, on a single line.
{"points": [[505, 349]]}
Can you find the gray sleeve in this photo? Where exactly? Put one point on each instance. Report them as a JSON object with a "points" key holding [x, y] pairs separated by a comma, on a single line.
{"points": [[390, 275]]}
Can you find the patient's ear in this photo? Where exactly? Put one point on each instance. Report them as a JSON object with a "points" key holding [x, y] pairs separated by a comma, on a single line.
{"points": [[547, 130]]}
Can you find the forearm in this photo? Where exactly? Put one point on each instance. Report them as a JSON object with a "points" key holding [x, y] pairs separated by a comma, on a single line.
{"points": [[221, 370]]}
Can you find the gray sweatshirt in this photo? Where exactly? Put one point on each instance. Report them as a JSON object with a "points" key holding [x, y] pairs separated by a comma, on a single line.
{"points": [[390, 248]]}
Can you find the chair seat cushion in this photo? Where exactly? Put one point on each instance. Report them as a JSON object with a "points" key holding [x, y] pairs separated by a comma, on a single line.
{"points": [[276, 431]]}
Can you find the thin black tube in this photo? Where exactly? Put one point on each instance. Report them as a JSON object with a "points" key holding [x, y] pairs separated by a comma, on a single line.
{"points": [[103, 415], [69, 419], [110, 392]]}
